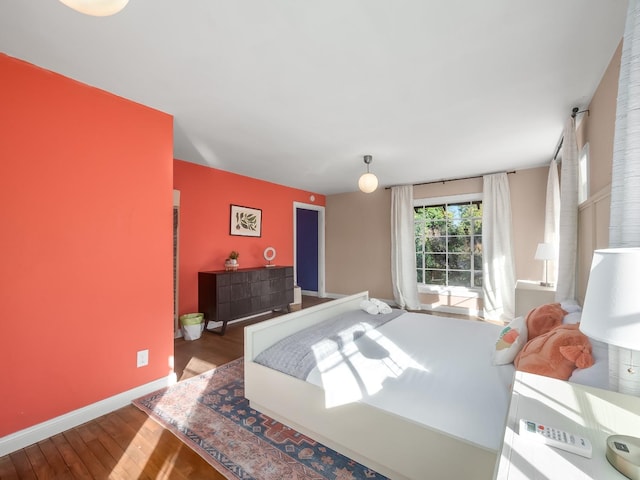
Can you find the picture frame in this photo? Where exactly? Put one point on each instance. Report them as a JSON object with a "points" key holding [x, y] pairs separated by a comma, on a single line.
{"points": [[245, 221]]}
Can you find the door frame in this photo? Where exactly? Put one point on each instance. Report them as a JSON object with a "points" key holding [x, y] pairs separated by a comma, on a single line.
{"points": [[321, 252], [176, 263]]}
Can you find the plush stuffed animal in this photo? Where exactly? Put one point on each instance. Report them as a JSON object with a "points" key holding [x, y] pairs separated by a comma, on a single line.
{"points": [[556, 353], [543, 318]]}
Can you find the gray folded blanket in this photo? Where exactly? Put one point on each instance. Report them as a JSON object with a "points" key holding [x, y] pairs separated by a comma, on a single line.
{"points": [[299, 353]]}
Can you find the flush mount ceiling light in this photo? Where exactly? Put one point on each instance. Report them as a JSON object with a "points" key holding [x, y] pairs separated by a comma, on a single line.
{"points": [[368, 181], [97, 8]]}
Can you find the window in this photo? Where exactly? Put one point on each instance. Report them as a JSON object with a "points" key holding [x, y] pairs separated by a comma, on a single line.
{"points": [[448, 235], [583, 174]]}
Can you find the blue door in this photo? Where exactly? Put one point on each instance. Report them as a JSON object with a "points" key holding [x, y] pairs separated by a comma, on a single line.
{"points": [[307, 249]]}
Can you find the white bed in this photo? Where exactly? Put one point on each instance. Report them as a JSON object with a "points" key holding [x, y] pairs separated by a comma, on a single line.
{"points": [[450, 427]]}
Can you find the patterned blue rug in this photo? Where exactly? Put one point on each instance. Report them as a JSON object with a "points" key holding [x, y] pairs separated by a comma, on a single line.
{"points": [[210, 414]]}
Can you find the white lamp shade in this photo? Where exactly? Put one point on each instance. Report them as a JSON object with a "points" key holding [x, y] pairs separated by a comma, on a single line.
{"points": [[611, 310], [545, 251], [368, 182], [98, 8]]}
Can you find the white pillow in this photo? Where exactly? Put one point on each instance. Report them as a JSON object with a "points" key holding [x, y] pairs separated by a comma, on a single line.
{"points": [[570, 306], [570, 318], [510, 341]]}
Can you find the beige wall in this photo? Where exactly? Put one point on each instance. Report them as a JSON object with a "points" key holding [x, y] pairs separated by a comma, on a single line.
{"points": [[597, 128], [358, 245], [358, 235]]}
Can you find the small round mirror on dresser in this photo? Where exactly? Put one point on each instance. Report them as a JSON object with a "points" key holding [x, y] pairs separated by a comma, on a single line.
{"points": [[269, 255]]}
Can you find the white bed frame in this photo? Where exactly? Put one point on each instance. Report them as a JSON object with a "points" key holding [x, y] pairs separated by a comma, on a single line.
{"points": [[392, 445]]}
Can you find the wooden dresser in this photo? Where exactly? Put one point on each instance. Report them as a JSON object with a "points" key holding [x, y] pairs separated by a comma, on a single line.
{"points": [[228, 295]]}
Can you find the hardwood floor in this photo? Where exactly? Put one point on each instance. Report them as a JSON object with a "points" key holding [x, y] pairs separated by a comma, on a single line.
{"points": [[126, 443]]}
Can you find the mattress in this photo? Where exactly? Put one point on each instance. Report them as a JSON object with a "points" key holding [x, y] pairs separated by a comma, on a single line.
{"points": [[435, 371]]}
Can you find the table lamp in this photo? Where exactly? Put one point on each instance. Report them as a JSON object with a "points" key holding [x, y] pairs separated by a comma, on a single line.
{"points": [[611, 314], [545, 252]]}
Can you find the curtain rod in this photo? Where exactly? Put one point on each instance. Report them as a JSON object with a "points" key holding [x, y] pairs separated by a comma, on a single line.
{"points": [[452, 179], [575, 111]]}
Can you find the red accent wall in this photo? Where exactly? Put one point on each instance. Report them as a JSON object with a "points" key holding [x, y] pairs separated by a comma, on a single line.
{"points": [[86, 277], [205, 242]]}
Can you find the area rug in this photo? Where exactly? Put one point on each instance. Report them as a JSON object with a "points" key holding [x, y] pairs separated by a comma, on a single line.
{"points": [[210, 414]]}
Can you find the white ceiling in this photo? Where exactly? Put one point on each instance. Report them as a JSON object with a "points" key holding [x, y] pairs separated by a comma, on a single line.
{"points": [[297, 92]]}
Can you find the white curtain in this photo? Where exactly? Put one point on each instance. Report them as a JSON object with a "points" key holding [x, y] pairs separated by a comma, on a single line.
{"points": [[568, 248], [624, 226], [403, 248], [498, 277], [552, 219]]}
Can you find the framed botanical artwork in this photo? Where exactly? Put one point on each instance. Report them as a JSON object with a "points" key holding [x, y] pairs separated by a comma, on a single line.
{"points": [[245, 221]]}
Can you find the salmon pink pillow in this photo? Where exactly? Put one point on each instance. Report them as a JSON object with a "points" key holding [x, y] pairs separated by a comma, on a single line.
{"points": [[556, 353], [510, 341], [544, 318]]}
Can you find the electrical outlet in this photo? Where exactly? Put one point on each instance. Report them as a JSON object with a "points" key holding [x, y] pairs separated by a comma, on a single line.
{"points": [[143, 358]]}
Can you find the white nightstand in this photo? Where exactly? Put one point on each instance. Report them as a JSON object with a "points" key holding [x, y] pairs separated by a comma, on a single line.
{"points": [[590, 412], [530, 294]]}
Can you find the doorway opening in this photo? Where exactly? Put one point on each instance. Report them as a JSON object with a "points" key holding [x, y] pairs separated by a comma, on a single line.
{"points": [[309, 248], [176, 251]]}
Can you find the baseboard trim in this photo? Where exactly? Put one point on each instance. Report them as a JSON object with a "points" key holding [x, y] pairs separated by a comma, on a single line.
{"points": [[29, 436]]}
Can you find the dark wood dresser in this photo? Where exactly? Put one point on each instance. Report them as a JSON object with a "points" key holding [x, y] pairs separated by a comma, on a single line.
{"points": [[227, 295]]}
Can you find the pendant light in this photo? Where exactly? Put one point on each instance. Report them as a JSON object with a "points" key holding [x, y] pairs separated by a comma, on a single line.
{"points": [[368, 181], [97, 8]]}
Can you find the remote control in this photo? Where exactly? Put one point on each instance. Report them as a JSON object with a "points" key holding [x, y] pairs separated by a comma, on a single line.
{"points": [[554, 437]]}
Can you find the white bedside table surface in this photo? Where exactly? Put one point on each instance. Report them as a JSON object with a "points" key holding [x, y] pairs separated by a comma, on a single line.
{"points": [[591, 412]]}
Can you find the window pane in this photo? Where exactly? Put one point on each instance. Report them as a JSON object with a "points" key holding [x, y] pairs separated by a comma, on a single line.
{"points": [[477, 244], [477, 227], [436, 228], [435, 261], [435, 244], [419, 259], [459, 226], [418, 212], [477, 279], [477, 262], [460, 244], [418, 244], [473, 210], [466, 227], [420, 277], [460, 279], [459, 261], [453, 227], [456, 209], [435, 277], [435, 212]]}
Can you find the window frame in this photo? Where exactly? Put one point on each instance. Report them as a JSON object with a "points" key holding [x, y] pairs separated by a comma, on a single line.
{"points": [[458, 291]]}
